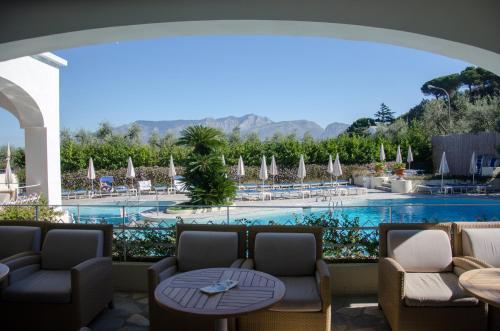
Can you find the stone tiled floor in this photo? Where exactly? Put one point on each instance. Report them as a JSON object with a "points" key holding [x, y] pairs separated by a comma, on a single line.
{"points": [[349, 314]]}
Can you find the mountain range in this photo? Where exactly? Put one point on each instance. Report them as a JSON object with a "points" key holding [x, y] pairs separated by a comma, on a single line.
{"points": [[262, 126]]}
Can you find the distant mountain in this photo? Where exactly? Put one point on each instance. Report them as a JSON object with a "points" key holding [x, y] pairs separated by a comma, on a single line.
{"points": [[262, 126]]}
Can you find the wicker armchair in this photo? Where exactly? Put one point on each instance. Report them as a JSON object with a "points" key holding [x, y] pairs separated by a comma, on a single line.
{"points": [[294, 255], [198, 246], [19, 238], [65, 286], [476, 245], [418, 289]]}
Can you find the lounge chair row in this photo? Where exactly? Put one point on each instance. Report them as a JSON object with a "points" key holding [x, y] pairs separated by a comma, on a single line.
{"points": [[453, 188], [142, 187], [302, 193]]}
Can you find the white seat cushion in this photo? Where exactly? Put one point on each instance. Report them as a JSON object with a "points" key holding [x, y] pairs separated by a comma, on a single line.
{"points": [[435, 290], [420, 250], [483, 244], [301, 295]]}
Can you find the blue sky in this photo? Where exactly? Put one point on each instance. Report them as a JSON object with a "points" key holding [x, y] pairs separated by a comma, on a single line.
{"points": [[283, 78]]}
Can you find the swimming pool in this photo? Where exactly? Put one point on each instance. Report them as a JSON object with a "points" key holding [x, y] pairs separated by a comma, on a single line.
{"points": [[369, 212]]}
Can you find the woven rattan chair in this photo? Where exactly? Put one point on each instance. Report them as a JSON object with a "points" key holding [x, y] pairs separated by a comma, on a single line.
{"points": [[418, 289], [476, 245], [65, 286], [294, 255], [19, 238], [198, 246]]}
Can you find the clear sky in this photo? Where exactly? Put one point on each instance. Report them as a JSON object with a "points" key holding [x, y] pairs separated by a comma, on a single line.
{"points": [[283, 78]]}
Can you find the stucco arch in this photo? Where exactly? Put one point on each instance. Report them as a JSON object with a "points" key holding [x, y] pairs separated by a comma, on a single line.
{"points": [[461, 29], [20, 103], [29, 89]]}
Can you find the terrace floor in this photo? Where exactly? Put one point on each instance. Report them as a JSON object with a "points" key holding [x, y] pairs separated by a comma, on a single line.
{"points": [[353, 313]]}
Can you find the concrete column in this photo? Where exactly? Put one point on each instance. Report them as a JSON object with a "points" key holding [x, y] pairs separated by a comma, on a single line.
{"points": [[43, 162]]}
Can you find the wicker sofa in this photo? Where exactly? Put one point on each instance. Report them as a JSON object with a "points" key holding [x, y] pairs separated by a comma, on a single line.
{"points": [[294, 255], [476, 245], [418, 289], [198, 246], [64, 286]]}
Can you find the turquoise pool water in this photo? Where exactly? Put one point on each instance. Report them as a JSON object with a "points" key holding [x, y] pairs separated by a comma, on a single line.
{"points": [[369, 212]]}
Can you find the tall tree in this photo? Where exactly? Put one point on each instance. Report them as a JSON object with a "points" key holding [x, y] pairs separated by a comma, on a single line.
{"points": [[134, 133], [384, 114], [104, 131], [361, 125]]}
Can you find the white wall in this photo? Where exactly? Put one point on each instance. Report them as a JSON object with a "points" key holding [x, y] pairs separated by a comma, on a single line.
{"points": [[29, 89]]}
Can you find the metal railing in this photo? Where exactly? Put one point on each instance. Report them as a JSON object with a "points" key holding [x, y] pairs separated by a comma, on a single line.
{"points": [[147, 231]]}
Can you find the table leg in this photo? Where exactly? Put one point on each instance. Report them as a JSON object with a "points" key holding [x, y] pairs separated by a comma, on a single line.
{"points": [[221, 324]]}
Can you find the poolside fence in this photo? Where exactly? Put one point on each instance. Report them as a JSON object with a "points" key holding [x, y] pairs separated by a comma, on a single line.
{"points": [[350, 232]]}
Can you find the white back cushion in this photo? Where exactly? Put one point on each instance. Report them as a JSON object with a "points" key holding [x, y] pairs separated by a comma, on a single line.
{"points": [[420, 250], [483, 244]]}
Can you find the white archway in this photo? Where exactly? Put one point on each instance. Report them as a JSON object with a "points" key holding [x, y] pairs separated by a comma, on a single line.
{"points": [[29, 89], [462, 29]]}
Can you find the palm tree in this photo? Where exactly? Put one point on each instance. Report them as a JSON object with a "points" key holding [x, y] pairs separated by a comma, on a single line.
{"points": [[205, 174]]}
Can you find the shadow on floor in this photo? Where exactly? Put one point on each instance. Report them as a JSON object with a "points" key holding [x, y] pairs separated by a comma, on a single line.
{"points": [[358, 313]]}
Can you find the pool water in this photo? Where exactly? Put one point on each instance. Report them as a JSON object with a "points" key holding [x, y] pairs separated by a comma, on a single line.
{"points": [[411, 210], [369, 212]]}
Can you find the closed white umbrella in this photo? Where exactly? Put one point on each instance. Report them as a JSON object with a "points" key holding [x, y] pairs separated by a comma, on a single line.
{"points": [[273, 171], [473, 166], [329, 168], [409, 158], [171, 170], [240, 171], [301, 173], [443, 167], [263, 173], [91, 173], [8, 170], [399, 158], [223, 159], [130, 170], [382, 153], [337, 169]]}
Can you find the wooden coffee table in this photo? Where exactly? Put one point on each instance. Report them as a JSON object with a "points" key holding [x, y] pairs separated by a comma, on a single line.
{"points": [[4, 271], [484, 284], [255, 291]]}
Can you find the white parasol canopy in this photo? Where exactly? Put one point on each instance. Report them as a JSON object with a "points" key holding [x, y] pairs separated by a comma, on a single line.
{"points": [[443, 167], [273, 169], [382, 153], [223, 159], [409, 157], [8, 170], [240, 171], [91, 173], [130, 168], [263, 174], [399, 158], [263, 170], [473, 166], [337, 169]]}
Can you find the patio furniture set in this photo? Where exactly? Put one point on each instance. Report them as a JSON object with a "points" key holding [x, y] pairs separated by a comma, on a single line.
{"points": [[431, 277]]}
